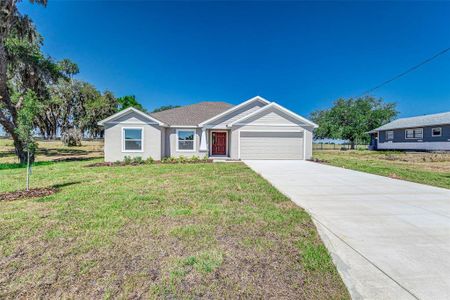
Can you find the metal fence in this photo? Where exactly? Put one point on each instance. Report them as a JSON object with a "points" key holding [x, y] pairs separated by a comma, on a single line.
{"points": [[328, 146]]}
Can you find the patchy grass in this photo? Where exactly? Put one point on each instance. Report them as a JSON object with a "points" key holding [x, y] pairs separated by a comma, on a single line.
{"points": [[421, 167], [51, 151], [159, 231]]}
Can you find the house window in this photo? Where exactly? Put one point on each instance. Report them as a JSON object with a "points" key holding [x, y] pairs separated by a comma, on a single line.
{"points": [[436, 132], [185, 140], [389, 135], [132, 139], [416, 133]]}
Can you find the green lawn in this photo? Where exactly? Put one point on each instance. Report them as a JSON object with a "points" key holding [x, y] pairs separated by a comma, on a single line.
{"points": [[427, 168], [159, 231], [53, 150]]}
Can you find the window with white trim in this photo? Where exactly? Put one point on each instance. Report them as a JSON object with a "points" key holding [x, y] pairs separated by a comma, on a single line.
{"points": [[416, 133], [185, 140], [390, 135], [132, 139], [435, 132]]}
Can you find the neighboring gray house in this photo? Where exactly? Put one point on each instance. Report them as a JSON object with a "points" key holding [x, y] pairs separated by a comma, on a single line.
{"points": [[428, 132], [254, 129]]}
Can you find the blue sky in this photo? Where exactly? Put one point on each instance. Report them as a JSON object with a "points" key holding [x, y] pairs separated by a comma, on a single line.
{"points": [[303, 55]]}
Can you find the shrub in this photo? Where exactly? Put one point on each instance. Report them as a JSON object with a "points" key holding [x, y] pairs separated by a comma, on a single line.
{"points": [[149, 160], [195, 158], [71, 137], [137, 160], [127, 160]]}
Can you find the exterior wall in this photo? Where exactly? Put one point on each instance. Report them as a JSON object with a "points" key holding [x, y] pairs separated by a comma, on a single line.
{"points": [[113, 138], [428, 142], [308, 142], [399, 135], [426, 146], [171, 143], [271, 120], [235, 115], [272, 116]]}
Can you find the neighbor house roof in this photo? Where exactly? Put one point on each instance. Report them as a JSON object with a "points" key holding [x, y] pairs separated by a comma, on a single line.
{"points": [[191, 115], [425, 120]]}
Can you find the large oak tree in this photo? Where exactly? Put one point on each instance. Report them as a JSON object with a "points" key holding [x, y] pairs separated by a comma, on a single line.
{"points": [[351, 119], [21, 64]]}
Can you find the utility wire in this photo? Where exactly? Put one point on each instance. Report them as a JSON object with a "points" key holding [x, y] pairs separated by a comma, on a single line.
{"points": [[413, 68]]}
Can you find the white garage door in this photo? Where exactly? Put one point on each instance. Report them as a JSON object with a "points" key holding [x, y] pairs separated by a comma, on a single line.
{"points": [[271, 145]]}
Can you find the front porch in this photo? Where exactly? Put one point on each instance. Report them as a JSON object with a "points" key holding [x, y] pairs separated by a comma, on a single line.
{"points": [[216, 142]]}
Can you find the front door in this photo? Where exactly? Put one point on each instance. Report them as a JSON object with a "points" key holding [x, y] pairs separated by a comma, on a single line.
{"points": [[219, 143]]}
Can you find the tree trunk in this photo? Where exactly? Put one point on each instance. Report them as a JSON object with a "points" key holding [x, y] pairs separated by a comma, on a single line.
{"points": [[20, 150], [9, 121], [352, 144]]}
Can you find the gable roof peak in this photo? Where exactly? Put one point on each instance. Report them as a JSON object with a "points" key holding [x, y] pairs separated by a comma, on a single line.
{"points": [[127, 110]]}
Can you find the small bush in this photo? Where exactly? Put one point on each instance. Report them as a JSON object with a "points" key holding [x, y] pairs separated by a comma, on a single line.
{"points": [[182, 159], [137, 160], [149, 160], [127, 160], [71, 137]]}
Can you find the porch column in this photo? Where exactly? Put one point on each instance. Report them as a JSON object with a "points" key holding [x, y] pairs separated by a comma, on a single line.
{"points": [[203, 145]]}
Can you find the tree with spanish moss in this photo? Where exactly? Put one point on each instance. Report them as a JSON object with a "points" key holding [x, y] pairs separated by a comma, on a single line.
{"points": [[23, 67]]}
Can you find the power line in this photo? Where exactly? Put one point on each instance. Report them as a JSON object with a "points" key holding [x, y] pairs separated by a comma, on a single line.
{"points": [[413, 68]]}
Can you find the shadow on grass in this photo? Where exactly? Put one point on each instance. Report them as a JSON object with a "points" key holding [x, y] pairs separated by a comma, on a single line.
{"points": [[61, 185], [8, 166]]}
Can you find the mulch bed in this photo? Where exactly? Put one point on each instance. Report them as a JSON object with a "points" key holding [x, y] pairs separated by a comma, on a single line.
{"points": [[32, 193], [156, 162]]}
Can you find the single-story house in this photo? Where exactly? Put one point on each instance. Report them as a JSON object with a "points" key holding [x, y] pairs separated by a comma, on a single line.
{"points": [[426, 133], [254, 129]]}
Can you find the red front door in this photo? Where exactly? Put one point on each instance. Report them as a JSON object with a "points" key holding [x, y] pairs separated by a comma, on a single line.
{"points": [[219, 143]]}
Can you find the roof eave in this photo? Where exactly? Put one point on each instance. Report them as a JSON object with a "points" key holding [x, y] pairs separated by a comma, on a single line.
{"points": [[231, 109]]}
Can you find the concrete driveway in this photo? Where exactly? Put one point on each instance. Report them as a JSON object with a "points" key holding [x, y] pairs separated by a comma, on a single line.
{"points": [[390, 239]]}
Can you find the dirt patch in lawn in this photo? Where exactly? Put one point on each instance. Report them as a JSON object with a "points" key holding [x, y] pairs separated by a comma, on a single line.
{"points": [[32, 193]]}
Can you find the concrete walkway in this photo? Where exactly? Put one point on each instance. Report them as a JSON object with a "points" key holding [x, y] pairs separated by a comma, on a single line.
{"points": [[390, 239]]}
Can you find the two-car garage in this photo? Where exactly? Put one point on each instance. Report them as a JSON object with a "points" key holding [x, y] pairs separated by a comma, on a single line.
{"points": [[271, 145]]}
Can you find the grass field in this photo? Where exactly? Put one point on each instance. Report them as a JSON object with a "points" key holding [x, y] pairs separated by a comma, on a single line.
{"points": [[52, 150], [421, 167], [159, 231]]}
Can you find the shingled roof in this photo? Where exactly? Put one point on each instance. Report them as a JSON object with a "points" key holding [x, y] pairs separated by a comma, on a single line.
{"points": [[191, 115], [426, 120]]}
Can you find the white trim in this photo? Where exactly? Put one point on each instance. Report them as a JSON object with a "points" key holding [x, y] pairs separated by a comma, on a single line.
{"points": [[257, 98], [430, 146], [277, 106], [213, 127], [183, 126], [123, 140], [203, 142], [194, 143], [272, 130], [210, 142], [134, 123], [440, 132], [413, 138], [387, 135], [127, 110], [304, 144], [268, 125]]}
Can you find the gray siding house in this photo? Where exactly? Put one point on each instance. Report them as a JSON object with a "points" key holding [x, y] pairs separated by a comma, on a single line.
{"points": [[427, 133], [254, 129]]}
